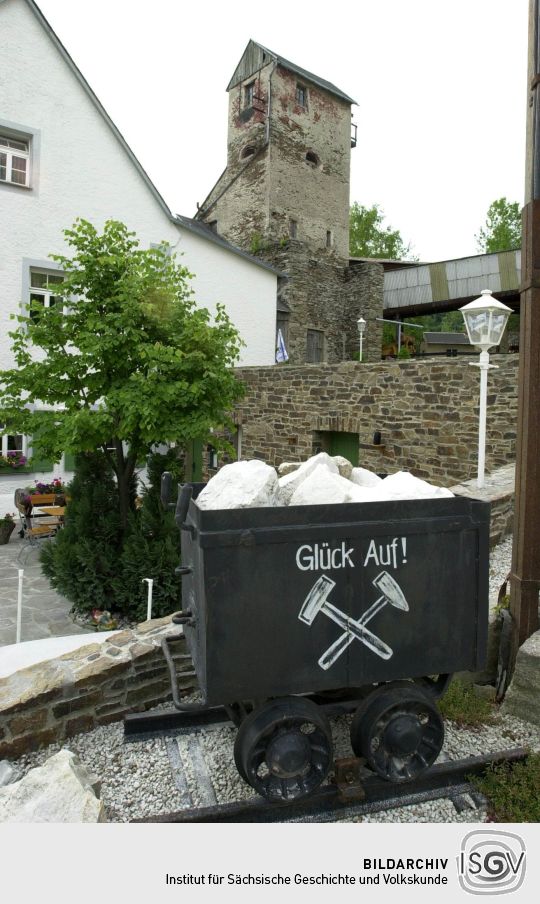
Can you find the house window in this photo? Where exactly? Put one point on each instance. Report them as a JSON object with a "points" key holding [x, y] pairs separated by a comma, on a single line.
{"points": [[293, 228], [315, 347], [14, 161], [13, 448], [12, 443], [249, 91], [301, 95], [43, 286]]}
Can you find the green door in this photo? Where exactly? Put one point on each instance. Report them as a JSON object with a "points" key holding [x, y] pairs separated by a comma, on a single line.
{"points": [[346, 445], [194, 461]]}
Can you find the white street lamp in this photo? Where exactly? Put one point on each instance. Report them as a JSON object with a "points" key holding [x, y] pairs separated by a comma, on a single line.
{"points": [[485, 319], [361, 323]]}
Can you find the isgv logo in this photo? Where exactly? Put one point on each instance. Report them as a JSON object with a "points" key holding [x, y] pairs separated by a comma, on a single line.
{"points": [[491, 863]]}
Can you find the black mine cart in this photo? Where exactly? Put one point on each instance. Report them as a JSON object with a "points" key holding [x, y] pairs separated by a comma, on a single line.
{"points": [[281, 605]]}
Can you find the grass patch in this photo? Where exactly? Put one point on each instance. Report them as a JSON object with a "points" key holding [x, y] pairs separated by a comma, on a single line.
{"points": [[513, 791], [464, 707]]}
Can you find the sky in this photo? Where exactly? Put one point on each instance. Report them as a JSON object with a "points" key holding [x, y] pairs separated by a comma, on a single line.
{"points": [[440, 86]]}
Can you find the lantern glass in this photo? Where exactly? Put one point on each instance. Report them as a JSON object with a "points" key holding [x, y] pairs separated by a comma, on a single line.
{"points": [[361, 325], [477, 324], [498, 320], [485, 320]]}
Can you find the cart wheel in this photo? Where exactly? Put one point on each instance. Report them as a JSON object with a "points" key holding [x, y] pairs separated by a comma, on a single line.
{"points": [[399, 731], [284, 748]]}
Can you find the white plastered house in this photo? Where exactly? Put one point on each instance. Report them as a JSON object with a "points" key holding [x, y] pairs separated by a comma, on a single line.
{"points": [[61, 157]]}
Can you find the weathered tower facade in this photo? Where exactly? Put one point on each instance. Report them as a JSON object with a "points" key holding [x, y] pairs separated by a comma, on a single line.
{"points": [[284, 195], [288, 158]]}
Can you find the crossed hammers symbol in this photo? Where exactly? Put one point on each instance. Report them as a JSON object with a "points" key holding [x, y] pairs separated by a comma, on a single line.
{"points": [[317, 601]]}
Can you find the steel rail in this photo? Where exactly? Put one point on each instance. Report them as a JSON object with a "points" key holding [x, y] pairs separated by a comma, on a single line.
{"points": [[142, 726], [444, 780]]}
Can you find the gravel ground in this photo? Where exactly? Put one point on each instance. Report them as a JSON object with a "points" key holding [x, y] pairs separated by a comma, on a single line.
{"points": [[137, 779]]}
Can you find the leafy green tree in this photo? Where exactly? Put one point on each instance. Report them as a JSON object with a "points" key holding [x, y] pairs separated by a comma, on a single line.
{"points": [[369, 238], [125, 362], [502, 229]]}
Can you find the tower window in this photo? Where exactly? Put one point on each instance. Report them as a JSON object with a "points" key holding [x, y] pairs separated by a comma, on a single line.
{"points": [[249, 91], [293, 228], [301, 95], [328, 238], [312, 159], [248, 151], [315, 347]]}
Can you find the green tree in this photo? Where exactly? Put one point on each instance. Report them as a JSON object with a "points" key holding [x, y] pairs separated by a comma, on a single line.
{"points": [[502, 229], [127, 361], [369, 238]]}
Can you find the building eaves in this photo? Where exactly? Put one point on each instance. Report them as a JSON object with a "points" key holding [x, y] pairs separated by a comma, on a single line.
{"points": [[303, 73], [447, 338], [387, 263], [97, 103], [204, 232]]}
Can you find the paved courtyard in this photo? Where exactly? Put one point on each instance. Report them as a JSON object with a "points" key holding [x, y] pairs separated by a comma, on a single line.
{"points": [[45, 613]]}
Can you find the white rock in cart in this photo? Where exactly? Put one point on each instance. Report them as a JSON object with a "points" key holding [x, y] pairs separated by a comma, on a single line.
{"points": [[365, 478], [287, 467], [290, 482], [322, 487], [243, 484], [404, 485], [344, 466]]}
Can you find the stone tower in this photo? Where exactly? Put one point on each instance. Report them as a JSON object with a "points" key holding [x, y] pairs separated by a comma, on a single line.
{"points": [[284, 195]]}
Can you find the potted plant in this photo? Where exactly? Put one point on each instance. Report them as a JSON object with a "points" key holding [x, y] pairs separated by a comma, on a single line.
{"points": [[7, 526], [14, 460]]}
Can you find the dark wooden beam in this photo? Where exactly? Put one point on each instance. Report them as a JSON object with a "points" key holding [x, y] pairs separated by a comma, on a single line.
{"points": [[525, 578]]}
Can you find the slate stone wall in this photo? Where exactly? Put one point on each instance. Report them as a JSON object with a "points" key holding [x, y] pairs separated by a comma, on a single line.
{"points": [[425, 410], [324, 294], [91, 686]]}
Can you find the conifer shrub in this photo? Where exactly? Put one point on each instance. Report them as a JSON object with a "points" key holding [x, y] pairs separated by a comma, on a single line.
{"points": [[97, 564]]}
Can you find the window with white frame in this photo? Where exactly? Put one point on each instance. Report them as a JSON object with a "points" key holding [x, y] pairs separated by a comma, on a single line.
{"points": [[12, 442], [43, 287], [13, 449], [14, 160]]}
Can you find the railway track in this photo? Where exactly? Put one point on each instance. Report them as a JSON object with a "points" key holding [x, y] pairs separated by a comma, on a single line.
{"points": [[353, 793]]}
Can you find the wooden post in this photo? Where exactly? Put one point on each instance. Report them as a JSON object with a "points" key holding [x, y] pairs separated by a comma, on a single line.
{"points": [[525, 577]]}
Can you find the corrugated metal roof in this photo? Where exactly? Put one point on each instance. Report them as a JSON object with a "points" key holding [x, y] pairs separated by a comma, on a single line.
{"points": [[256, 56], [447, 281]]}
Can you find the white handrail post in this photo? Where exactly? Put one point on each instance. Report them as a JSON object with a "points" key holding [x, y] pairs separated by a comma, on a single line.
{"points": [[150, 582], [19, 605]]}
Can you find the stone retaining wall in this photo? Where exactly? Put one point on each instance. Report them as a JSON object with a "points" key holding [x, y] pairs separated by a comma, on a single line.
{"points": [[426, 411], [94, 685], [499, 490]]}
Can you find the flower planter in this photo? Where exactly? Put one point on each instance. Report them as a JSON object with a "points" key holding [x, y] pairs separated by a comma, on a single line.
{"points": [[6, 530]]}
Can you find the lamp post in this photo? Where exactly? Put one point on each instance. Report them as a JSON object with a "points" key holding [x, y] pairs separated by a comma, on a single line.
{"points": [[485, 319], [361, 323]]}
